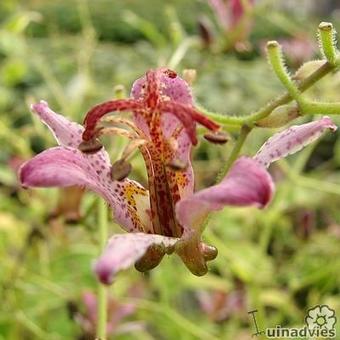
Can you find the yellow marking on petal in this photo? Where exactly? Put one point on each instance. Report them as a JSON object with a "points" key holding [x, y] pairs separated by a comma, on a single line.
{"points": [[181, 180], [138, 204]]}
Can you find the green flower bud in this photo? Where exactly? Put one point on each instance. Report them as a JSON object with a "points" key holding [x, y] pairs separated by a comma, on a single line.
{"points": [[307, 69], [280, 116]]}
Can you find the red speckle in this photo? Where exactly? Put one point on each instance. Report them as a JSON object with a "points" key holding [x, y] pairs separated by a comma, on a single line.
{"points": [[170, 73]]}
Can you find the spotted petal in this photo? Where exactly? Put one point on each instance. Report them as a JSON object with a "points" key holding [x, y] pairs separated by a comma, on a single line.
{"points": [[123, 250], [62, 167], [292, 140], [172, 86], [176, 89], [247, 183], [65, 132]]}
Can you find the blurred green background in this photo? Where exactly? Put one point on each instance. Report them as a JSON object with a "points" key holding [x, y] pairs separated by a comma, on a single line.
{"points": [[280, 261]]}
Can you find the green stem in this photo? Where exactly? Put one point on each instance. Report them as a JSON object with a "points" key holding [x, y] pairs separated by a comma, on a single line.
{"points": [[321, 108], [274, 53], [266, 110], [102, 290], [181, 51], [328, 41], [245, 130]]}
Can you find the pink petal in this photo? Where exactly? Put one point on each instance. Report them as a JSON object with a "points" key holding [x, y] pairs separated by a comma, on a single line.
{"points": [[182, 152], [172, 86], [90, 302], [237, 10], [65, 132], [62, 167], [292, 140], [177, 90], [124, 250], [247, 183], [221, 12]]}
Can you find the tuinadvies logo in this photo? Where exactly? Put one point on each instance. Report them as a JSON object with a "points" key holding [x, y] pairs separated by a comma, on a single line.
{"points": [[319, 323]]}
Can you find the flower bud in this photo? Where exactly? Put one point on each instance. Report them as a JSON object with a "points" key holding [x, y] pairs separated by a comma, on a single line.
{"points": [[307, 69], [280, 116], [189, 75]]}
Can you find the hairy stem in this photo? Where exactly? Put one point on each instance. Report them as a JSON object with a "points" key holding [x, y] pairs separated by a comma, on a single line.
{"points": [[275, 58], [328, 41], [266, 110]]}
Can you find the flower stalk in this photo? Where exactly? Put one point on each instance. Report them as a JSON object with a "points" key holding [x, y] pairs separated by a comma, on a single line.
{"points": [[245, 130], [102, 289], [294, 90]]}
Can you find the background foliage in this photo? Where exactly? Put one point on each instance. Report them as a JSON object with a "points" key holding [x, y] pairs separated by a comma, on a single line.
{"points": [[281, 261]]}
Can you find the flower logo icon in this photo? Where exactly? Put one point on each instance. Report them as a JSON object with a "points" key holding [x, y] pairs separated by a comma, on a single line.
{"points": [[320, 316]]}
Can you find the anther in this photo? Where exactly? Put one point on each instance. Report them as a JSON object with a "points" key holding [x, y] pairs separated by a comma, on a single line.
{"points": [[120, 170], [177, 165], [218, 137], [91, 146]]}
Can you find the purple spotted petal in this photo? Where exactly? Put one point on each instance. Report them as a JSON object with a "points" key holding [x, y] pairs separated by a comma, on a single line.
{"points": [[123, 250], [177, 90], [63, 167], [292, 140], [65, 132], [173, 87], [247, 183]]}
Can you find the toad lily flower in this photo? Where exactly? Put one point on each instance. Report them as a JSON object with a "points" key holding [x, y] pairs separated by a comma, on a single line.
{"points": [[167, 217]]}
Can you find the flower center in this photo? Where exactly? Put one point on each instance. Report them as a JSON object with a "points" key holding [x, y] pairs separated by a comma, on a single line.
{"points": [[162, 182]]}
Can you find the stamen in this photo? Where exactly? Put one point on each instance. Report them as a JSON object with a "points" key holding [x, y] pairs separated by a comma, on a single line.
{"points": [[120, 170], [91, 146], [129, 123], [132, 147], [116, 131], [98, 111], [218, 137], [177, 165]]}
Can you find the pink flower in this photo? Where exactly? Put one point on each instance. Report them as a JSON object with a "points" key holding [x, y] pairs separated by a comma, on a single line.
{"points": [[117, 313], [229, 13], [166, 217]]}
